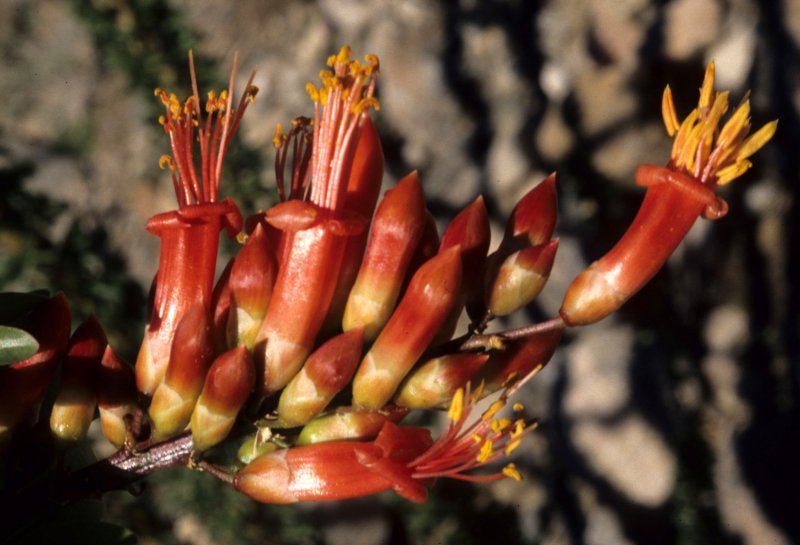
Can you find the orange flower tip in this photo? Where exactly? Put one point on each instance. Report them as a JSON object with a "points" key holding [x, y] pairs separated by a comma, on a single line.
{"points": [[228, 383], [293, 215], [535, 213], [332, 365], [191, 353], [116, 381], [89, 340], [470, 229]]}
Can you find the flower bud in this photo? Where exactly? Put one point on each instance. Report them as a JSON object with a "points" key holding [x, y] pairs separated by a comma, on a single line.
{"points": [[519, 358], [338, 470], [326, 372], [73, 409], [470, 230], [349, 423], [433, 384], [520, 278], [396, 231], [251, 282], [192, 351], [227, 386], [116, 396], [425, 306], [24, 384]]}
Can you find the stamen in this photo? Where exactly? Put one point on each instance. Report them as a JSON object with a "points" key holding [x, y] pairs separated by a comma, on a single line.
{"points": [[668, 112]]}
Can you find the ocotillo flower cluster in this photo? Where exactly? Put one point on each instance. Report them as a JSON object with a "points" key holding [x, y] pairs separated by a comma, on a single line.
{"points": [[335, 318]]}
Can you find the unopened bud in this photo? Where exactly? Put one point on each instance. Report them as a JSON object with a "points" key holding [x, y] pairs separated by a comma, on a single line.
{"points": [[116, 396], [433, 384], [326, 372], [227, 386], [349, 423], [73, 409], [396, 231], [518, 359], [423, 310], [521, 277], [251, 282], [191, 354]]}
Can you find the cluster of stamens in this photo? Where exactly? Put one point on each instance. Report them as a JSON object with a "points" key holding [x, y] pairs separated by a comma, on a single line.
{"points": [[341, 104], [713, 156], [215, 131], [466, 446]]}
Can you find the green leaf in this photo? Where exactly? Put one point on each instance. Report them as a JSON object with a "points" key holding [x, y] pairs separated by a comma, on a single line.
{"points": [[16, 345], [15, 305]]}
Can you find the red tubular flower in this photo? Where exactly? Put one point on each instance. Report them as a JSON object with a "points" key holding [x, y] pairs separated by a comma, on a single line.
{"points": [[401, 458], [73, 409], [190, 235], [24, 384], [703, 157], [363, 190], [310, 263]]}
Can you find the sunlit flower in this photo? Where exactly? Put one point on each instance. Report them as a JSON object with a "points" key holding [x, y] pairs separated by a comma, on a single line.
{"points": [[703, 157], [401, 458], [190, 234]]}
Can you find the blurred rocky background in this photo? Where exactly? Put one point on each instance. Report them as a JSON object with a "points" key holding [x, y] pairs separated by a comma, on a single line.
{"points": [[676, 421]]}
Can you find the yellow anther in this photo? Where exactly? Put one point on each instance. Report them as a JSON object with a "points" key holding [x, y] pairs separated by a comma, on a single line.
{"points": [[251, 93], [519, 428], [730, 173], [668, 112], [162, 120], [456, 406], [518, 407], [757, 140], [486, 451], [366, 103], [312, 91], [241, 237], [477, 393], [165, 161], [500, 424], [511, 472], [736, 126], [477, 438], [511, 446], [344, 55], [493, 409], [373, 61], [707, 90], [280, 137], [510, 379]]}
